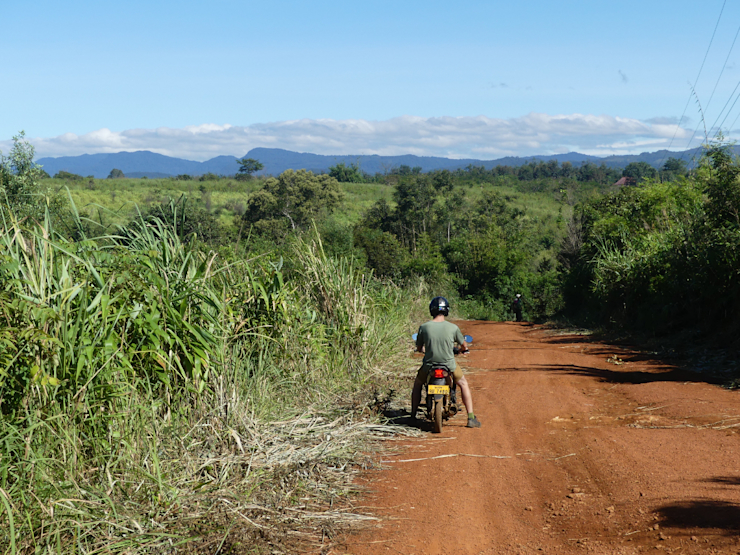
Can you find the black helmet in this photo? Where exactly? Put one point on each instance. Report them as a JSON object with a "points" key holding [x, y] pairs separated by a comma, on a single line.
{"points": [[439, 305]]}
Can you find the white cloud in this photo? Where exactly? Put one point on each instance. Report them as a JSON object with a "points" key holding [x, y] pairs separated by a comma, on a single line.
{"points": [[455, 137]]}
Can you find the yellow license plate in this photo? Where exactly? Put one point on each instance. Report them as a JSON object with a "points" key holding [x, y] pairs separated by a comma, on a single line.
{"points": [[438, 389]]}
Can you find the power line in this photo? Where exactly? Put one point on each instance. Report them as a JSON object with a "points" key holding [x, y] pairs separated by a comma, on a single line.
{"points": [[733, 123], [714, 125], [725, 106], [724, 65], [688, 101], [729, 111], [726, 115]]}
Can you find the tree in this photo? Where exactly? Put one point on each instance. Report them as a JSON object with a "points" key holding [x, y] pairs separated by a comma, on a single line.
{"points": [[385, 255], [346, 174], [291, 201], [567, 171], [115, 174], [248, 166], [673, 168], [69, 176], [415, 200], [443, 181], [723, 189], [526, 172], [380, 216], [640, 171], [19, 182]]}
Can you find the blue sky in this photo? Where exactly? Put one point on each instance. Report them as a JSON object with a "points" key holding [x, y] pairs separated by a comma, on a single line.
{"points": [[479, 78]]}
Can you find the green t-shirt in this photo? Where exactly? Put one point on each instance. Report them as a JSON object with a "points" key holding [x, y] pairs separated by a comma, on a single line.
{"points": [[438, 339]]}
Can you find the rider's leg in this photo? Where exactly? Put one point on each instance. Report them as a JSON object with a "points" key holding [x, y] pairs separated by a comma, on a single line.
{"points": [[467, 398], [416, 396]]}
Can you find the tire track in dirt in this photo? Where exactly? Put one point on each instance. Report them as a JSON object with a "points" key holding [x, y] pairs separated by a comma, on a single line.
{"points": [[584, 448]]}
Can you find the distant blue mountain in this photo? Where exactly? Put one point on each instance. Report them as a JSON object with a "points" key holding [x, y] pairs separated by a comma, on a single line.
{"points": [[148, 175], [142, 162], [276, 160]]}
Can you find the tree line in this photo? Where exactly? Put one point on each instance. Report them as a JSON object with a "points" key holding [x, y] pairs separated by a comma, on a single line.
{"points": [[531, 171]]}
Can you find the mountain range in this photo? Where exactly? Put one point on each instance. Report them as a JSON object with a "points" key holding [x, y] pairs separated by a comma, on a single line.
{"points": [[275, 160]]}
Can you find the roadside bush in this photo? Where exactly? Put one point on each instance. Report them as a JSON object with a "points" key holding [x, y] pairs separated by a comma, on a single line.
{"points": [[337, 239], [426, 262]]}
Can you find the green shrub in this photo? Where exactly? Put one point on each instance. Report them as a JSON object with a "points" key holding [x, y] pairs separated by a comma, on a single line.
{"points": [[291, 202], [384, 254], [20, 185], [187, 219], [346, 174], [68, 176]]}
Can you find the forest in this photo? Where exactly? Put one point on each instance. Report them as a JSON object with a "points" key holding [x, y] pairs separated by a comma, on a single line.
{"points": [[194, 346]]}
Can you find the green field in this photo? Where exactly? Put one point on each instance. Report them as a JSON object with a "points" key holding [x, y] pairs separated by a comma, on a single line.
{"points": [[117, 199]]}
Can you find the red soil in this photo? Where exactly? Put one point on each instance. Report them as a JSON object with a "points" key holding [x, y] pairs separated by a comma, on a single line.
{"points": [[585, 448]]}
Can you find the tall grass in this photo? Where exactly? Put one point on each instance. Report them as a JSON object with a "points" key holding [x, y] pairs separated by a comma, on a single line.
{"points": [[141, 378], [348, 301]]}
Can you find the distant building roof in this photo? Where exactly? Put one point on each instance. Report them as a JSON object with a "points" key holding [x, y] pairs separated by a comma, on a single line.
{"points": [[626, 182]]}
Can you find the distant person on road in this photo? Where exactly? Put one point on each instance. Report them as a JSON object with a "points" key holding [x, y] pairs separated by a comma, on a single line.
{"points": [[436, 339], [516, 306]]}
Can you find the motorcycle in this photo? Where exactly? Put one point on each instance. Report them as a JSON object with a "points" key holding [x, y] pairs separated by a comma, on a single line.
{"points": [[441, 392]]}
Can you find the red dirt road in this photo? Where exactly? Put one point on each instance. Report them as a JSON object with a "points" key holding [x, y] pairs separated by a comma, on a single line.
{"points": [[585, 448]]}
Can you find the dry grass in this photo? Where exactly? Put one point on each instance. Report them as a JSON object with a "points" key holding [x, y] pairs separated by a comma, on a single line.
{"points": [[278, 487]]}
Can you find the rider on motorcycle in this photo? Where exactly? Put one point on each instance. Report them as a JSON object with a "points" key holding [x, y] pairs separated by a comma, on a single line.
{"points": [[436, 340]]}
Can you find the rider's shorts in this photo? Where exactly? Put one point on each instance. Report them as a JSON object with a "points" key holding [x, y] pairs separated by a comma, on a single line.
{"points": [[424, 372]]}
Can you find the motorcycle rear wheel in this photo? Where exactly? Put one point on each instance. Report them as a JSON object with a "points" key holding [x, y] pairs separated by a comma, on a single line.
{"points": [[437, 421]]}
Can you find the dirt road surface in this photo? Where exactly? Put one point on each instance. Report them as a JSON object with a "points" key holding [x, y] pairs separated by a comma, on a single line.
{"points": [[585, 448]]}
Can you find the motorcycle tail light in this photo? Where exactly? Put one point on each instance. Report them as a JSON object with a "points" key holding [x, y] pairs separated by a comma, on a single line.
{"points": [[439, 373]]}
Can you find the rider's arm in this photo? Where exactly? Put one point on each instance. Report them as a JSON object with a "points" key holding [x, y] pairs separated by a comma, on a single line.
{"points": [[419, 342]]}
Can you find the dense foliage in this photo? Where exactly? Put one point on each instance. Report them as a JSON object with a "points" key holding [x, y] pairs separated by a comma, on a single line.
{"points": [[476, 247], [290, 201], [661, 256]]}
